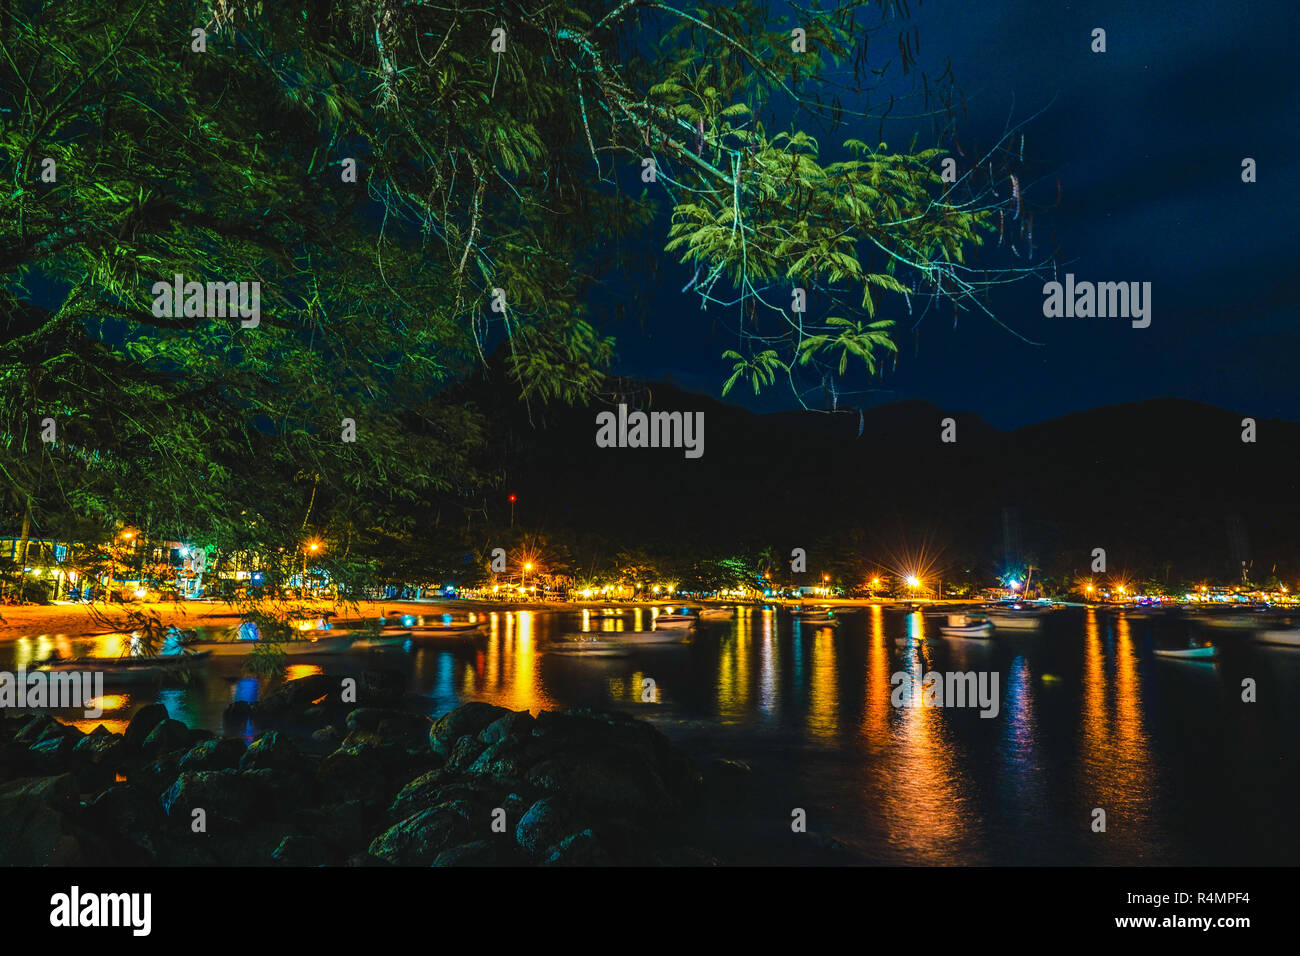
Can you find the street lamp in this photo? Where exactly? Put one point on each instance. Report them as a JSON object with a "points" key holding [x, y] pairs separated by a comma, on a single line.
{"points": [[311, 547]]}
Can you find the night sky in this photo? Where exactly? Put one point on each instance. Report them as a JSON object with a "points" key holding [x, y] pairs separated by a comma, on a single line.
{"points": [[1148, 140]]}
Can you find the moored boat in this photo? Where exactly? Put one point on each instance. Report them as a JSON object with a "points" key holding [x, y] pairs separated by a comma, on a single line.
{"points": [[717, 613], [587, 645], [1283, 637], [1017, 620], [1205, 653], [323, 642], [381, 641], [130, 670], [675, 620], [972, 629]]}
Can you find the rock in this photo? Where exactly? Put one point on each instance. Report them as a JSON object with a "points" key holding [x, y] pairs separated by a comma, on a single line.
{"points": [[50, 756], [129, 814], [34, 729], [467, 719], [395, 727], [417, 840], [156, 777], [354, 773], [225, 796], [578, 849], [296, 696], [280, 792], [381, 688], [272, 751], [418, 794], [236, 715], [106, 749], [501, 761], [219, 753], [301, 851], [36, 826], [166, 736], [510, 725], [344, 826], [327, 734], [475, 853], [542, 826], [604, 785], [142, 724], [464, 754]]}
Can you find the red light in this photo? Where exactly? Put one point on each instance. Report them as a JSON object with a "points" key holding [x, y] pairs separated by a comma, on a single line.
{"points": [[512, 499]]}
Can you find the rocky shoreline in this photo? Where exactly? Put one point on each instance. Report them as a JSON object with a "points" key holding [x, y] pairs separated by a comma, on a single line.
{"points": [[370, 781]]}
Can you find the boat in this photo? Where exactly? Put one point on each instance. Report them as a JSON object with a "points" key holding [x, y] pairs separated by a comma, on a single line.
{"points": [[1241, 622], [973, 629], [604, 615], [967, 625], [455, 627], [817, 621], [383, 640], [812, 614], [717, 613], [1205, 653], [667, 635], [321, 642], [587, 645], [130, 670], [1017, 618], [675, 620], [1286, 637]]}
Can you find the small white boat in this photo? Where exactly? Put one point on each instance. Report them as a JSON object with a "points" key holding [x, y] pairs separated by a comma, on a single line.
{"points": [[675, 620], [328, 642], [1021, 621], [1286, 637], [588, 646], [1236, 622], [667, 635], [1206, 653], [817, 621], [129, 670], [717, 614], [962, 625], [382, 641]]}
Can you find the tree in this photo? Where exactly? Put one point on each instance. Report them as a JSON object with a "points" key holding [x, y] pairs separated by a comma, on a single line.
{"points": [[408, 191]]}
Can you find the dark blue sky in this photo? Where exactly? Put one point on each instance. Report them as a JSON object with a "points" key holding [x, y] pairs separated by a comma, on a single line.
{"points": [[1148, 140]]}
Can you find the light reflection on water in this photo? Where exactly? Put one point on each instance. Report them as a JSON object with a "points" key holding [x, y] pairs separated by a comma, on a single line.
{"points": [[1087, 718]]}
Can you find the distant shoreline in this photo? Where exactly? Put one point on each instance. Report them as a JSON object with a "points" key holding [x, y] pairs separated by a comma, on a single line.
{"points": [[76, 620]]}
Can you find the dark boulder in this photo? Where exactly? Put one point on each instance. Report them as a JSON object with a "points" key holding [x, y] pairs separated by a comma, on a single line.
{"points": [[543, 825], [219, 753], [36, 822], [226, 797], [272, 751], [166, 736], [417, 840], [467, 719], [301, 851], [143, 721], [296, 696]]}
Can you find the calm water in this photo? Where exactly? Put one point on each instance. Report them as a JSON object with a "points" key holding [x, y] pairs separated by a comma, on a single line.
{"points": [[1088, 717]]}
